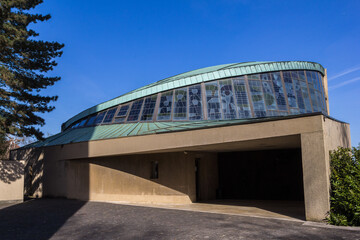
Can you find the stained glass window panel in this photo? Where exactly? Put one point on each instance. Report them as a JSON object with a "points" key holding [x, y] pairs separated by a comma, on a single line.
{"points": [[195, 104], [123, 111], [321, 91], [294, 75], [290, 89], [272, 113], [315, 80], [257, 98], [165, 106], [242, 98], [279, 91], [265, 77], [254, 76], [148, 109], [311, 85], [294, 111], [302, 75], [319, 100], [121, 116], [269, 95], [109, 115], [299, 96], [180, 108], [310, 79], [313, 100], [213, 101], [135, 110], [99, 118], [227, 99], [306, 97]]}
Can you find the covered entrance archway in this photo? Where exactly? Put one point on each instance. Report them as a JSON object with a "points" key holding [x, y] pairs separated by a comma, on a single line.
{"points": [[261, 175], [261, 182]]}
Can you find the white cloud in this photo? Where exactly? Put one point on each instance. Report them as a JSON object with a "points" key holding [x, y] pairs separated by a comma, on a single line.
{"points": [[347, 71]]}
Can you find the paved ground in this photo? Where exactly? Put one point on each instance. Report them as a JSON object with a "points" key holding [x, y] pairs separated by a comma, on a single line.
{"points": [[71, 219]]}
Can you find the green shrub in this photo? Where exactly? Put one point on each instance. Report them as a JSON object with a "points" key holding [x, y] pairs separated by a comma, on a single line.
{"points": [[345, 187]]}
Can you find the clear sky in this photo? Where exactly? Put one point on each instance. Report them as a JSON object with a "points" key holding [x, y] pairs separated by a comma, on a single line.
{"points": [[113, 47]]}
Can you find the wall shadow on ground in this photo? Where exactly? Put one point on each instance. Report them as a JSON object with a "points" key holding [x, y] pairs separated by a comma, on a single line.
{"points": [[36, 219]]}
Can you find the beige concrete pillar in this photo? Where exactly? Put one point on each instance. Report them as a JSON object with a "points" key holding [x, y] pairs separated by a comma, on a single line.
{"points": [[315, 176]]}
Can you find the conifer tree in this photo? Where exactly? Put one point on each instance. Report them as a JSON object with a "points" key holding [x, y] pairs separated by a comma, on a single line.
{"points": [[24, 63]]}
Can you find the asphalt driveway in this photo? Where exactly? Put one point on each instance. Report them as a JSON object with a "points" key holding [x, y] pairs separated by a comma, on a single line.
{"points": [[71, 219]]}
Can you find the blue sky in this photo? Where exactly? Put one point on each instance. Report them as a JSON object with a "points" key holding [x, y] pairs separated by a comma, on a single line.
{"points": [[113, 47]]}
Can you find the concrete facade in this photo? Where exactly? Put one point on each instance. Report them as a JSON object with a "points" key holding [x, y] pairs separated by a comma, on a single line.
{"points": [[120, 169]]}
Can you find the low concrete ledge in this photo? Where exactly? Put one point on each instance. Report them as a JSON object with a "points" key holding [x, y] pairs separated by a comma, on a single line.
{"points": [[141, 199]]}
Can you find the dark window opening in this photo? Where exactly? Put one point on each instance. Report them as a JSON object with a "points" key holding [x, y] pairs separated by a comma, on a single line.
{"points": [[99, 118], [154, 170], [91, 120]]}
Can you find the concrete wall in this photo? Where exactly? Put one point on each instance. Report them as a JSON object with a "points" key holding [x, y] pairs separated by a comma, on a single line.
{"points": [[11, 180], [127, 178], [123, 178]]}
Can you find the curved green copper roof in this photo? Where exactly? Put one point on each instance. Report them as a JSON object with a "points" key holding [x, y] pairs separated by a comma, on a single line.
{"points": [[198, 76]]}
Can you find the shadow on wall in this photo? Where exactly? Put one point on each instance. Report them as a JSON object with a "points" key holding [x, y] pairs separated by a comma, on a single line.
{"points": [[337, 134], [134, 172], [345, 135], [33, 169], [10, 171], [33, 178]]}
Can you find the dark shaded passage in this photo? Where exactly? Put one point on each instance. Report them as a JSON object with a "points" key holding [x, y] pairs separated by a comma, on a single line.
{"points": [[261, 175]]}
